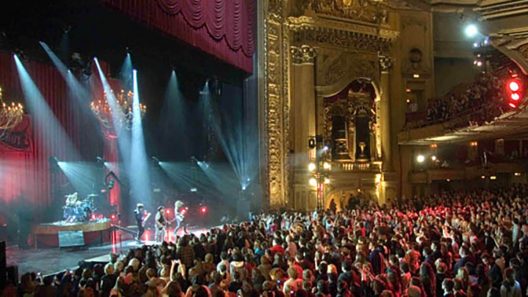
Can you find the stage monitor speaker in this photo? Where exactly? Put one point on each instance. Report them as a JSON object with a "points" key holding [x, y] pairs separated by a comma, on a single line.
{"points": [[3, 232], [12, 274], [3, 264], [71, 239]]}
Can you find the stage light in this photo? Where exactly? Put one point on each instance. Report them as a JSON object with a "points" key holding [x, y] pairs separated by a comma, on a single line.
{"points": [[325, 148], [517, 174], [311, 166], [471, 30], [433, 158], [54, 163], [514, 86], [313, 182], [514, 91], [312, 143], [493, 177], [326, 180], [420, 158], [100, 161], [327, 166], [203, 209], [194, 190], [156, 160]]}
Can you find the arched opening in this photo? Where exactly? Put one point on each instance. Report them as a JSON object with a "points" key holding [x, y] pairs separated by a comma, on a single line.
{"points": [[350, 122]]}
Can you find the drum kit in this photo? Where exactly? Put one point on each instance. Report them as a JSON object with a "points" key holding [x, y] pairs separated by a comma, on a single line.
{"points": [[78, 209]]}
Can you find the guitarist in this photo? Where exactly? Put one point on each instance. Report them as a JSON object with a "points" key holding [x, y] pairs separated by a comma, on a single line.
{"points": [[161, 223], [141, 217], [179, 217]]}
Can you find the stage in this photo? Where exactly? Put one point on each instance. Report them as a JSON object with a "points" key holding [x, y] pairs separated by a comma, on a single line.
{"points": [[93, 232], [52, 260]]}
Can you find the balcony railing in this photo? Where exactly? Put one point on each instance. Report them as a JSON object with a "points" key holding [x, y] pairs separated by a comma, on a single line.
{"points": [[357, 166]]}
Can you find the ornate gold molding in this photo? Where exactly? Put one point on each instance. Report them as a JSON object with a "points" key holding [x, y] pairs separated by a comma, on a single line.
{"points": [[336, 71], [371, 11], [304, 54], [385, 63], [276, 104], [327, 25]]}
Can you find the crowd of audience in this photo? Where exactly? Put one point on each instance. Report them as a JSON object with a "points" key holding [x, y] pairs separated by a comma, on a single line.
{"points": [[451, 244], [481, 101]]}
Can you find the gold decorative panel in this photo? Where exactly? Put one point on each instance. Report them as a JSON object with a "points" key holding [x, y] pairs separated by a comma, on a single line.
{"points": [[276, 105]]}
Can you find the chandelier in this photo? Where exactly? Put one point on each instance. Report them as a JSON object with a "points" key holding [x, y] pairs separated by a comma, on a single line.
{"points": [[125, 115], [10, 114]]}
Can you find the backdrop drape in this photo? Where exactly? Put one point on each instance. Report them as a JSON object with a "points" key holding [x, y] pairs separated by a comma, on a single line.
{"points": [[25, 175], [222, 28]]}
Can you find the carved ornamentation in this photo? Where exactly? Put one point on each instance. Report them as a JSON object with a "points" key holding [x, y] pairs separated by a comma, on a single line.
{"points": [[348, 40], [275, 92], [304, 54], [346, 66], [385, 63], [361, 10]]}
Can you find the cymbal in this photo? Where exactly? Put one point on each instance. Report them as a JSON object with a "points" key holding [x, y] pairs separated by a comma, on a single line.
{"points": [[92, 195]]}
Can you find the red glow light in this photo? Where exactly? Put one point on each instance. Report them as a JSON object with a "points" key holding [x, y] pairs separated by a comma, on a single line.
{"points": [[515, 96], [514, 86], [203, 209]]}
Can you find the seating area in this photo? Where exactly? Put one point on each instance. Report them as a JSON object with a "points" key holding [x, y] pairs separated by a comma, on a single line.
{"points": [[479, 102]]}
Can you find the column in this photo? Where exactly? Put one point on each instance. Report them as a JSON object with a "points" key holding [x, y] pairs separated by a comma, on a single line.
{"points": [[385, 118], [303, 119], [303, 101]]}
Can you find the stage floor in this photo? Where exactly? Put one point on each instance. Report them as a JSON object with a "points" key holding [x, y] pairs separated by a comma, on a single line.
{"points": [[52, 260]]}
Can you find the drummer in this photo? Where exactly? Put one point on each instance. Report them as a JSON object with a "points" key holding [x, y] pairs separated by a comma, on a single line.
{"points": [[71, 199]]}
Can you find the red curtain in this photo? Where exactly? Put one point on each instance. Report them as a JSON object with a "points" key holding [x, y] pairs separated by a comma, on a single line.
{"points": [[223, 28], [25, 172]]}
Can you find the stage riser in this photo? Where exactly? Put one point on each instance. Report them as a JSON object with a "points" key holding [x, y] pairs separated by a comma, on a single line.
{"points": [[90, 239]]}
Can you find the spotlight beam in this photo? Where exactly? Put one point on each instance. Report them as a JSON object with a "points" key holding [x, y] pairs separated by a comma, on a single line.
{"points": [[117, 116], [139, 169], [237, 141], [49, 128]]}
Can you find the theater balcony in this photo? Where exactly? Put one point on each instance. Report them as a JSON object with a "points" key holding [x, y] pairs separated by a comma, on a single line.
{"points": [[470, 112], [462, 116]]}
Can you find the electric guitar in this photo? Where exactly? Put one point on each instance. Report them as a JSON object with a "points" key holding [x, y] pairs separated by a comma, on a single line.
{"points": [[145, 219], [177, 217]]}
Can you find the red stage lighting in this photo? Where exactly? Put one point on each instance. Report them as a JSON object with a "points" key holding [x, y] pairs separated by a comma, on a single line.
{"points": [[203, 209], [514, 91], [514, 86]]}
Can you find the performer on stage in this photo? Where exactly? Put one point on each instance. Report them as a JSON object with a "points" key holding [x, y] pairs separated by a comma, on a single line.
{"points": [[161, 223], [141, 217], [179, 217]]}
